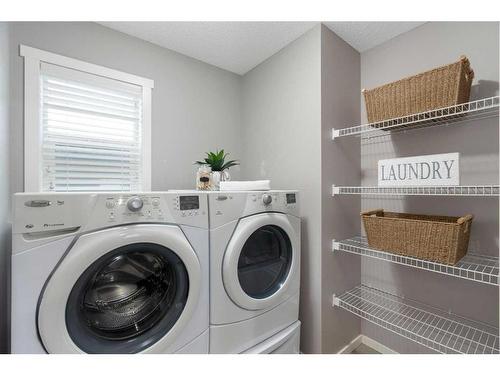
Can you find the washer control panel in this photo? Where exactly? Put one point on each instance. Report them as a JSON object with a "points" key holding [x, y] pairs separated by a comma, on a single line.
{"points": [[162, 207], [39, 212], [126, 207], [187, 205]]}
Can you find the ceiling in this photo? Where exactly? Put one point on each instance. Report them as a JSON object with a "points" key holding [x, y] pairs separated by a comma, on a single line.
{"points": [[234, 46], [365, 35], [240, 46]]}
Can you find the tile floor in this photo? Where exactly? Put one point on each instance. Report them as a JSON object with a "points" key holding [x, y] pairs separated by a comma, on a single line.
{"points": [[364, 349]]}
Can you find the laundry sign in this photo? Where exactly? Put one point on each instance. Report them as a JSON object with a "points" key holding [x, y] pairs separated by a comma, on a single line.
{"points": [[424, 170]]}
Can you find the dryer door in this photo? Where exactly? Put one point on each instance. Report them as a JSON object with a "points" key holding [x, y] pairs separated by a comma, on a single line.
{"points": [[261, 263], [127, 289]]}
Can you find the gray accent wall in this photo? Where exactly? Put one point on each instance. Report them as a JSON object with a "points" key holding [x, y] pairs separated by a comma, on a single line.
{"points": [[430, 45], [340, 161], [4, 187], [282, 134], [290, 103]]}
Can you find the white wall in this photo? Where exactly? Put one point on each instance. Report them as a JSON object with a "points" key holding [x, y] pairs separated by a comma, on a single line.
{"points": [[425, 47], [282, 142], [196, 106], [4, 185]]}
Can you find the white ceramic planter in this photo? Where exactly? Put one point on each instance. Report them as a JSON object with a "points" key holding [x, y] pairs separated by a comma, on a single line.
{"points": [[217, 177]]}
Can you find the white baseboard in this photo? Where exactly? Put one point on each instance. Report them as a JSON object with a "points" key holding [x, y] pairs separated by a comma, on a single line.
{"points": [[362, 339], [381, 348], [352, 345]]}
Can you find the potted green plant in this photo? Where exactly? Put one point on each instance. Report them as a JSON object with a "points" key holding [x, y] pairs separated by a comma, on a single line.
{"points": [[217, 161]]}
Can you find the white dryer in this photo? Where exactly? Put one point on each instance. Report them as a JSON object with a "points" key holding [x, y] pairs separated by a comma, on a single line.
{"points": [[254, 267], [110, 273]]}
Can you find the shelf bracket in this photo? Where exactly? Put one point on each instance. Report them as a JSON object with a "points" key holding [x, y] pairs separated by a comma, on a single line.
{"points": [[335, 245], [335, 190], [335, 300], [335, 133]]}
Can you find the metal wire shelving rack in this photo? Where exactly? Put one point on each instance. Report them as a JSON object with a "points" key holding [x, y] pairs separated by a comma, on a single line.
{"points": [[463, 191], [432, 328], [482, 108], [474, 267], [441, 331]]}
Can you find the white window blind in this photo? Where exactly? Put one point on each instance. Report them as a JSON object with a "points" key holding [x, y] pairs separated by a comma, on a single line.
{"points": [[91, 132]]}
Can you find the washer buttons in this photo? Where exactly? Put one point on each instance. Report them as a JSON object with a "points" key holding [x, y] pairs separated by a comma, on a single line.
{"points": [[110, 203], [155, 202]]}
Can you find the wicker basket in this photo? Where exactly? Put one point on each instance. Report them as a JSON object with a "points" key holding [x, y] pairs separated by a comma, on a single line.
{"points": [[437, 88], [442, 239]]}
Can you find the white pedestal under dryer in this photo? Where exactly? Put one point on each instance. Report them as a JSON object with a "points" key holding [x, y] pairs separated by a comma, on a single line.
{"points": [[110, 273], [254, 270], [286, 341]]}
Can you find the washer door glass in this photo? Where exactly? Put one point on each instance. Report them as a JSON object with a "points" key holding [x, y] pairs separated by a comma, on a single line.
{"points": [[264, 261], [127, 300]]}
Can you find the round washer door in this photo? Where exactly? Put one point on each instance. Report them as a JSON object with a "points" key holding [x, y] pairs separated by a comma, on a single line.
{"points": [[127, 289], [261, 261]]}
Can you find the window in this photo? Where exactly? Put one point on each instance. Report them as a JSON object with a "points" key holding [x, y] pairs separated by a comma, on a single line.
{"points": [[87, 127]]}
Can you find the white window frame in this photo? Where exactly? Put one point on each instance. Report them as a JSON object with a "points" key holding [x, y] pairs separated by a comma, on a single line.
{"points": [[33, 58]]}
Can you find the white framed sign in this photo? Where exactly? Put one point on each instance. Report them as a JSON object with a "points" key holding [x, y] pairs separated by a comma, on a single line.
{"points": [[424, 170]]}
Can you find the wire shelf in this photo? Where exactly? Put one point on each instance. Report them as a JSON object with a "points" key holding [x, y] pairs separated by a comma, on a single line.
{"points": [[430, 327], [464, 191], [483, 108], [473, 266]]}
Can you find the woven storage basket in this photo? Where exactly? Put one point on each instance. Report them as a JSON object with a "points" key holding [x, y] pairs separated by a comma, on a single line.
{"points": [[442, 239], [437, 88]]}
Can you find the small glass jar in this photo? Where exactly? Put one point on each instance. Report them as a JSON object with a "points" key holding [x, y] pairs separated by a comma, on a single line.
{"points": [[204, 177]]}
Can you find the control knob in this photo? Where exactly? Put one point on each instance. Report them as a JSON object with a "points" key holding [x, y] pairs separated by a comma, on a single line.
{"points": [[134, 204], [267, 199]]}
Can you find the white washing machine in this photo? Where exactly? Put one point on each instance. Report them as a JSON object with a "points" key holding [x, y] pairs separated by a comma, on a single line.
{"points": [[254, 267], [110, 273]]}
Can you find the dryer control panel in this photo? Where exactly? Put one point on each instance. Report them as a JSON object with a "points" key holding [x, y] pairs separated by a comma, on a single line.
{"points": [[229, 206]]}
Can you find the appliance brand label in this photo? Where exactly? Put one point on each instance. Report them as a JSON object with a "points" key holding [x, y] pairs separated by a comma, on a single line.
{"points": [[38, 203], [52, 225]]}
